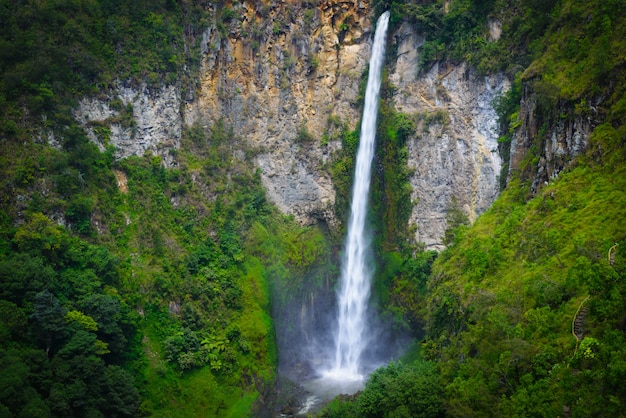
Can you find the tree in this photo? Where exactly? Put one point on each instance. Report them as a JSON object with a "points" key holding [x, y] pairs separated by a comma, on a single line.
{"points": [[48, 320], [12, 321], [456, 219], [39, 235], [106, 311], [22, 275], [400, 390], [122, 398]]}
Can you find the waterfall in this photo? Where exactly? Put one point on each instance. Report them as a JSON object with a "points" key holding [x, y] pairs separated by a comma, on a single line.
{"points": [[356, 272]]}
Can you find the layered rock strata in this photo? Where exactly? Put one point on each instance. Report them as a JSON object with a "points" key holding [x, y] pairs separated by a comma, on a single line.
{"points": [[298, 66]]}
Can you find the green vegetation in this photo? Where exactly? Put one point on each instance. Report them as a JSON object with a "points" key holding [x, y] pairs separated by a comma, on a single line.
{"points": [[162, 285], [148, 298], [500, 305], [524, 312], [65, 330], [458, 30], [54, 50], [572, 45], [503, 298], [397, 390], [171, 246], [391, 196], [342, 170], [391, 207], [211, 258], [152, 297]]}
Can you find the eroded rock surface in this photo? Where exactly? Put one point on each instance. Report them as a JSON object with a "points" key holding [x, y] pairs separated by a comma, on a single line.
{"points": [[455, 150], [278, 88], [134, 119], [280, 75], [556, 146]]}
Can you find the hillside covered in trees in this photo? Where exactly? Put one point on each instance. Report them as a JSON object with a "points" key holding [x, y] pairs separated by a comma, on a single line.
{"points": [[129, 287]]}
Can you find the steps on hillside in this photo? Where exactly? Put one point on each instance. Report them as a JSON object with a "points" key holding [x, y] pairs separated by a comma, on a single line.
{"points": [[577, 325]]}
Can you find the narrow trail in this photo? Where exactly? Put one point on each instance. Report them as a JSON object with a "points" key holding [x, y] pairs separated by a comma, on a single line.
{"points": [[577, 324]]}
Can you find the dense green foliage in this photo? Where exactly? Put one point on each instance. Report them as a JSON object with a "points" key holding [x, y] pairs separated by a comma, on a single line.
{"points": [[129, 288], [67, 335], [391, 196], [504, 299], [155, 244], [53, 50], [145, 297], [504, 296], [342, 166], [397, 390], [459, 30], [189, 280], [65, 330], [402, 266], [186, 247]]}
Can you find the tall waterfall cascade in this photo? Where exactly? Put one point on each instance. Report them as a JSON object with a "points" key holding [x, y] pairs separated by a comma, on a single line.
{"points": [[351, 335]]}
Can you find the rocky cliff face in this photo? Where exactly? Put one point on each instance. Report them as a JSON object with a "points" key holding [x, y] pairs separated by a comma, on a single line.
{"points": [[279, 76], [541, 149], [454, 151], [277, 86], [135, 119]]}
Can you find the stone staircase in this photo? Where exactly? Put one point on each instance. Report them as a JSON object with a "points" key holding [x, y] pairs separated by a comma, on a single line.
{"points": [[577, 324]]}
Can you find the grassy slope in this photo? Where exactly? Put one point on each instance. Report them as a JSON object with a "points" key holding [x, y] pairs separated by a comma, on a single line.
{"points": [[503, 299]]}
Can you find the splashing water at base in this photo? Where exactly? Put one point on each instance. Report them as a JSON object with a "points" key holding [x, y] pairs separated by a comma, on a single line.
{"points": [[345, 370], [324, 389]]}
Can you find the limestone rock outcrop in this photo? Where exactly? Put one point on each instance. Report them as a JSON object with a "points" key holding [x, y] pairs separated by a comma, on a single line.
{"points": [[455, 150], [279, 75], [277, 88], [560, 142], [135, 119], [273, 91]]}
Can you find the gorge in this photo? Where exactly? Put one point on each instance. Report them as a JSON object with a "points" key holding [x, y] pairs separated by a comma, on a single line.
{"points": [[177, 209], [452, 152]]}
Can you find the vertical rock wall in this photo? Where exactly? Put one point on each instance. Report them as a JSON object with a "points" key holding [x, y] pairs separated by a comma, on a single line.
{"points": [[454, 151], [556, 142], [277, 86], [270, 93], [279, 75], [135, 119]]}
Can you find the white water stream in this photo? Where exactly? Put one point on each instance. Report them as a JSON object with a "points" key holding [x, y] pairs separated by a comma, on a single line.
{"points": [[356, 273], [346, 374]]}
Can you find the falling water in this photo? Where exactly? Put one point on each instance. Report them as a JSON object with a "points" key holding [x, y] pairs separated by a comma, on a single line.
{"points": [[350, 339]]}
